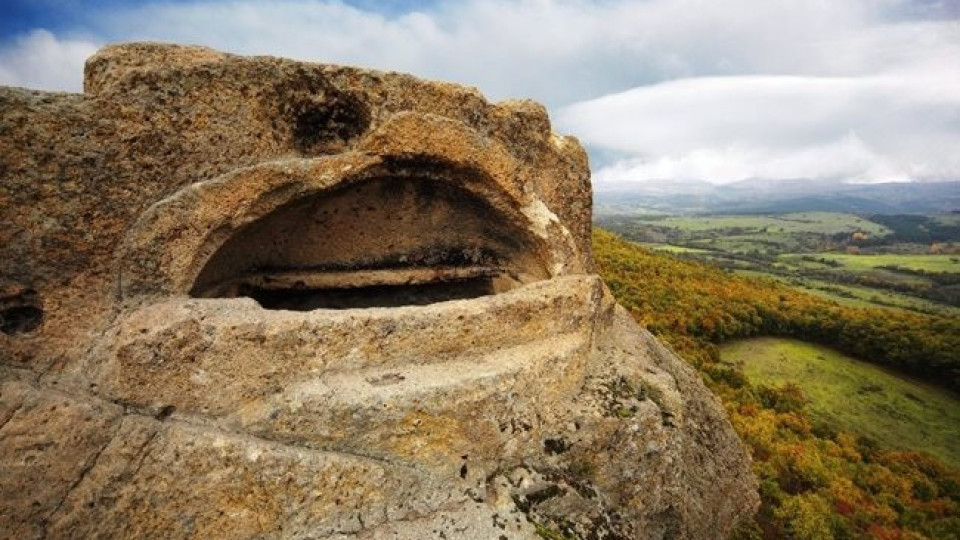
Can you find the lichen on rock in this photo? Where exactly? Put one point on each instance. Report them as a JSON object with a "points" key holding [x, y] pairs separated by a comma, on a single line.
{"points": [[251, 297]]}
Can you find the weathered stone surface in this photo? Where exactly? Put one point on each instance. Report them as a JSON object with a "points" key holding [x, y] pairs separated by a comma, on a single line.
{"points": [[251, 297], [48, 443]]}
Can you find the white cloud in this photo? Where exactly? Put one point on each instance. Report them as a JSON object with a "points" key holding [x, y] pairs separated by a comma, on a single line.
{"points": [[41, 60], [847, 158], [718, 90], [897, 123]]}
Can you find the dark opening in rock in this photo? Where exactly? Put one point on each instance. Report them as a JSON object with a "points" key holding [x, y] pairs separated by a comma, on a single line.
{"points": [[383, 242], [555, 446], [20, 312], [304, 299], [321, 126]]}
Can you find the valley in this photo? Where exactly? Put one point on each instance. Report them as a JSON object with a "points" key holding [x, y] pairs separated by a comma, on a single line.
{"points": [[904, 261], [844, 394]]}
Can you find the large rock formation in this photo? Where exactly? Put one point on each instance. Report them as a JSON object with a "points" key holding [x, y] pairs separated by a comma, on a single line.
{"points": [[251, 297]]}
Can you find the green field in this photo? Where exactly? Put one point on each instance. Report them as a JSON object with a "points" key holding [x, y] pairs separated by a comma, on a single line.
{"points": [[747, 234], [856, 396], [947, 219], [670, 248], [773, 243], [854, 296], [803, 222], [861, 263]]}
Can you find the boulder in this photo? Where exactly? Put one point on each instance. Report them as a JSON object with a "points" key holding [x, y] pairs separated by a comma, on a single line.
{"points": [[252, 297]]}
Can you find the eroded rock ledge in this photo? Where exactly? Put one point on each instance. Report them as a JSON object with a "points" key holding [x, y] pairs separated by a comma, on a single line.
{"points": [[251, 297]]}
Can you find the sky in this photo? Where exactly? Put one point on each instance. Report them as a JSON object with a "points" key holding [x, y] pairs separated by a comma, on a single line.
{"points": [[657, 90]]}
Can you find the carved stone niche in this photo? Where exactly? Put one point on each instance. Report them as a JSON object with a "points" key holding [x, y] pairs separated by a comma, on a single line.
{"points": [[263, 298], [287, 259], [413, 237]]}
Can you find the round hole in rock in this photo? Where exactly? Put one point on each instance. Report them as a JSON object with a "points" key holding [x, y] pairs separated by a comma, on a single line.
{"points": [[382, 242], [20, 312], [325, 126]]}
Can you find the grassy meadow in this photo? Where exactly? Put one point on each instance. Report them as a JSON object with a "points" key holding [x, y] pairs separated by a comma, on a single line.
{"points": [[864, 262], [801, 222], [855, 295], [670, 248], [895, 411]]}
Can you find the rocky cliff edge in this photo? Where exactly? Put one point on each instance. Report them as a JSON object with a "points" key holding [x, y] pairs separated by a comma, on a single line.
{"points": [[252, 297]]}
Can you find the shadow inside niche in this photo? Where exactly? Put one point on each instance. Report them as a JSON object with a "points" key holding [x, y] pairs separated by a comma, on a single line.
{"points": [[383, 242], [372, 296]]}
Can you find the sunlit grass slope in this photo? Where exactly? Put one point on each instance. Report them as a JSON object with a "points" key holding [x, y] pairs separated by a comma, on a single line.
{"points": [[856, 396]]}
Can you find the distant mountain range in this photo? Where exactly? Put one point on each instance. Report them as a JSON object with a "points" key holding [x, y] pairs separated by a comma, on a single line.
{"points": [[775, 196]]}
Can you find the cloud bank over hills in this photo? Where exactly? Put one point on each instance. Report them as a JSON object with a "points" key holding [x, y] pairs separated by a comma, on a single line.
{"points": [[862, 90]]}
